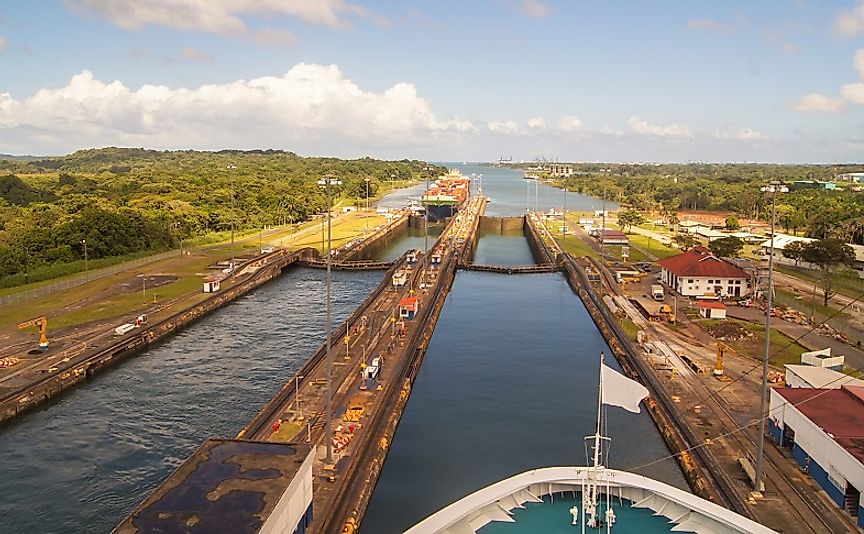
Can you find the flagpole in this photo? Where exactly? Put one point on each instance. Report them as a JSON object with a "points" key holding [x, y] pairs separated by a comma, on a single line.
{"points": [[599, 406]]}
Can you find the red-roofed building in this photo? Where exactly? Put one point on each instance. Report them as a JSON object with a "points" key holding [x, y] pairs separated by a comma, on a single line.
{"points": [[824, 429], [698, 273], [711, 309]]}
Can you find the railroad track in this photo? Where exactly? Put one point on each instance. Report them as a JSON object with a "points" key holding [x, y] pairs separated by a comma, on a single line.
{"points": [[810, 514]]}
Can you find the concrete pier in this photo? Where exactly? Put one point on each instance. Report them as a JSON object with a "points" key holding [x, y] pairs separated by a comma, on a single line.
{"points": [[366, 412]]}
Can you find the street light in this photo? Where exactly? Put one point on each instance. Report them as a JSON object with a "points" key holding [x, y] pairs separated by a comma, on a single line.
{"points": [[426, 234], [143, 287], [231, 175], [774, 187], [86, 260], [326, 182], [367, 204]]}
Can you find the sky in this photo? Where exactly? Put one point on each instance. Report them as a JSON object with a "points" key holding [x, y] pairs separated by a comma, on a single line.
{"points": [[443, 80]]}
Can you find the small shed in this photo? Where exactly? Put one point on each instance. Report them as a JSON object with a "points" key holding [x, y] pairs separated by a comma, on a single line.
{"points": [[408, 307], [823, 358], [211, 286], [710, 309]]}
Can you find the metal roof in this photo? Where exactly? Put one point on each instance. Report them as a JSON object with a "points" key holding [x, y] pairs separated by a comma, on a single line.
{"points": [[838, 412], [226, 486], [822, 377]]}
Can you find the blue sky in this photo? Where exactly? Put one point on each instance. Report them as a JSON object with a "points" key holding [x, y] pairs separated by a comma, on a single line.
{"points": [[568, 80]]}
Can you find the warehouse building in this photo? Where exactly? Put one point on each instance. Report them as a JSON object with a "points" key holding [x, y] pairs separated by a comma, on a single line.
{"points": [[824, 430]]}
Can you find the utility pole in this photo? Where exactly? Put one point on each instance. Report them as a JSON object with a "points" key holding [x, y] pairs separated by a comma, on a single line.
{"points": [[326, 182], [231, 175], [773, 187], [426, 234]]}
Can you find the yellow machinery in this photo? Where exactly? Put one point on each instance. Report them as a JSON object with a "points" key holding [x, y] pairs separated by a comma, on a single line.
{"points": [[722, 348], [666, 310], [41, 324]]}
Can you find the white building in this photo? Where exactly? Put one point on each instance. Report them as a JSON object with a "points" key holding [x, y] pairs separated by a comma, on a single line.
{"points": [[823, 429], [698, 273], [781, 240], [807, 376], [560, 169]]}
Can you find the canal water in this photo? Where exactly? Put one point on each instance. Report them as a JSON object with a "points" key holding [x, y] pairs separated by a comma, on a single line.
{"points": [[509, 382], [84, 461]]}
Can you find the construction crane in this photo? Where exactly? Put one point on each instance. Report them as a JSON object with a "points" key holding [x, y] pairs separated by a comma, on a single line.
{"points": [[722, 348], [41, 324]]}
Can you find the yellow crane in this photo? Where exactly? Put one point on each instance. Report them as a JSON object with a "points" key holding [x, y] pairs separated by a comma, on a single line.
{"points": [[722, 348], [41, 324]]}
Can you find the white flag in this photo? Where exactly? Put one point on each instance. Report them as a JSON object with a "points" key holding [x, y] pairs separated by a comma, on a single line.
{"points": [[618, 390]]}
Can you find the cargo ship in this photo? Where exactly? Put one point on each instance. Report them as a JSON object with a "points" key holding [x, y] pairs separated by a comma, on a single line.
{"points": [[444, 197]]}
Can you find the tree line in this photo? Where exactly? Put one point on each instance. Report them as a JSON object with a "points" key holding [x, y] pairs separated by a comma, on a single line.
{"points": [[119, 201], [670, 188]]}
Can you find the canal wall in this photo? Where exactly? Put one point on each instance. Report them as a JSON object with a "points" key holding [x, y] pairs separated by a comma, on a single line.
{"points": [[542, 253], [500, 225], [380, 238], [83, 364], [698, 468]]}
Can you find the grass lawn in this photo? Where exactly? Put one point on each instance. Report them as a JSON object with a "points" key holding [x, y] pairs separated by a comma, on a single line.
{"points": [[851, 286], [652, 246], [782, 349], [189, 271], [571, 243], [629, 328], [805, 305], [340, 232]]}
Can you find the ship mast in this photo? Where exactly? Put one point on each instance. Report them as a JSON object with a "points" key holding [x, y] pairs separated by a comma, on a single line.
{"points": [[591, 485]]}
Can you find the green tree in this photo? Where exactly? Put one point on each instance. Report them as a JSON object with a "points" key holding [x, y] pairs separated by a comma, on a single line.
{"points": [[828, 255], [685, 241], [726, 247], [630, 218], [793, 251], [732, 223]]}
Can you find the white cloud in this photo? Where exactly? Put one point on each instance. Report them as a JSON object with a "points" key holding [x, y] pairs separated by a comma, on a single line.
{"points": [[709, 24], [534, 8], [850, 22], [2, 45], [853, 92], [859, 62], [670, 130], [570, 124], [503, 127], [222, 17], [310, 107], [741, 134], [537, 123], [814, 102]]}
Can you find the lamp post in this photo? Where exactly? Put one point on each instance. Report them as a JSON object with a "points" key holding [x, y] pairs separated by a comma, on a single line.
{"points": [[564, 217], [774, 187], [367, 204], [231, 175], [326, 182], [143, 287], [86, 259]]}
